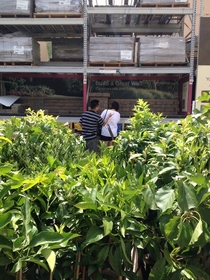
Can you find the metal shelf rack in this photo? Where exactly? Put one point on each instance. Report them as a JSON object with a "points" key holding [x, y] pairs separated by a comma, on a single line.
{"points": [[104, 20]]}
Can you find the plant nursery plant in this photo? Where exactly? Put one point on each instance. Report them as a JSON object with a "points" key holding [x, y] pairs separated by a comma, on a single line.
{"points": [[139, 210]]}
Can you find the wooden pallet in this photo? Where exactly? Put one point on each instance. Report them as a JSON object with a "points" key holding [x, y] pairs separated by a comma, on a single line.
{"points": [[14, 16], [13, 63], [165, 5], [66, 60], [57, 15], [112, 64], [162, 64]]}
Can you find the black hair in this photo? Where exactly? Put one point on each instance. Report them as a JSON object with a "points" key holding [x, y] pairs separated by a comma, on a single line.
{"points": [[115, 105], [94, 103]]}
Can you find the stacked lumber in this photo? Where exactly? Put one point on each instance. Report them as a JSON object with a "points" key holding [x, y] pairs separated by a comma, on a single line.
{"points": [[111, 49], [58, 6], [18, 48], [16, 7], [70, 49], [162, 49], [163, 1]]}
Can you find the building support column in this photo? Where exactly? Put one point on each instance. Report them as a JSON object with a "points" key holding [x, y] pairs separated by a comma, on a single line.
{"points": [[192, 54], [85, 93]]}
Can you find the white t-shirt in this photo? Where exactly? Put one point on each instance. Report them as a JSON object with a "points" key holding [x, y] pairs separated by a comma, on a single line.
{"points": [[113, 121]]}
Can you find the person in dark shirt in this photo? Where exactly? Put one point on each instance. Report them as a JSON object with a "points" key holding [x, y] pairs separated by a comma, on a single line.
{"points": [[90, 120]]}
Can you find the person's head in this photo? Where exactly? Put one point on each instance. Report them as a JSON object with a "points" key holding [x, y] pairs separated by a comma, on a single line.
{"points": [[94, 104], [115, 105]]}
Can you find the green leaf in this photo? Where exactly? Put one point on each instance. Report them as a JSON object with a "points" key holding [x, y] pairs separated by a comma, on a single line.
{"points": [[5, 219], [4, 170], [18, 243], [39, 262], [171, 228], [197, 271], [149, 198], [17, 266], [69, 236], [17, 180], [108, 225], [102, 255], [98, 275], [4, 191], [61, 212], [186, 197], [197, 232], [185, 234], [115, 260], [124, 250], [5, 139], [165, 198], [26, 219], [187, 273], [198, 179], [166, 169], [204, 237], [4, 261], [51, 160], [30, 183], [131, 275], [46, 237], [91, 269], [50, 257], [167, 255], [158, 270], [94, 234], [86, 205]]}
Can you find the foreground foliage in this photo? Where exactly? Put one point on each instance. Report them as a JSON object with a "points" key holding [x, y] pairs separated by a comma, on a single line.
{"points": [[146, 198]]}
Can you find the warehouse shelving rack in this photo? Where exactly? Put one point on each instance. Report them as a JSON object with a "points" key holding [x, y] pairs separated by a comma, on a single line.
{"points": [[138, 21]]}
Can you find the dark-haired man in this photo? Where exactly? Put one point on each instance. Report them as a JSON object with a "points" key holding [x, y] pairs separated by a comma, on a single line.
{"points": [[90, 120]]}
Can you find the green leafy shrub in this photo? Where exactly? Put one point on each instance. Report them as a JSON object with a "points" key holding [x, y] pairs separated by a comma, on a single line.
{"points": [[146, 196], [36, 140]]}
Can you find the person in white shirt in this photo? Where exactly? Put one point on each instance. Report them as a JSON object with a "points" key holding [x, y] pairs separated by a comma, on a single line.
{"points": [[109, 131]]}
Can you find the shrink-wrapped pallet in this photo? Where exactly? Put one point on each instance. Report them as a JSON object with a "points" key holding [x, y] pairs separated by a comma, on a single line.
{"points": [[162, 50], [70, 49], [163, 1], [58, 6], [15, 48], [111, 49], [16, 7]]}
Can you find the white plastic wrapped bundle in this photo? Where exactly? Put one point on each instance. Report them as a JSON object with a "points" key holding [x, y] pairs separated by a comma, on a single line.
{"points": [[163, 1], [15, 7], [162, 50], [19, 49], [69, 49], [111, 49], [58, 6]]}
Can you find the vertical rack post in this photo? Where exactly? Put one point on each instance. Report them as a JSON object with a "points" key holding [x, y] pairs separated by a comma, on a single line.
{"points": [[192, 52], [202, 8], [85, 97]]}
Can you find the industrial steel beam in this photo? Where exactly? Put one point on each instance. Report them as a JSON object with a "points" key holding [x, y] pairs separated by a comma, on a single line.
{"points": [[140, 10], [133, 28], [140, 70], [40, 69], [49, 36], [41, 21]]}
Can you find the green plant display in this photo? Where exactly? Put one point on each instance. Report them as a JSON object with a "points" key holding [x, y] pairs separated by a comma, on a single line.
{"points": [[139, 210]]}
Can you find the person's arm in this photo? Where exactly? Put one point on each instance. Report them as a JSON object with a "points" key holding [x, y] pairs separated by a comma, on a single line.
{"points": [[107, 118]]}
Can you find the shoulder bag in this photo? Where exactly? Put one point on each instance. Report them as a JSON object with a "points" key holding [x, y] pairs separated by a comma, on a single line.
{"points": [[110, 131], [99, 128]]}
